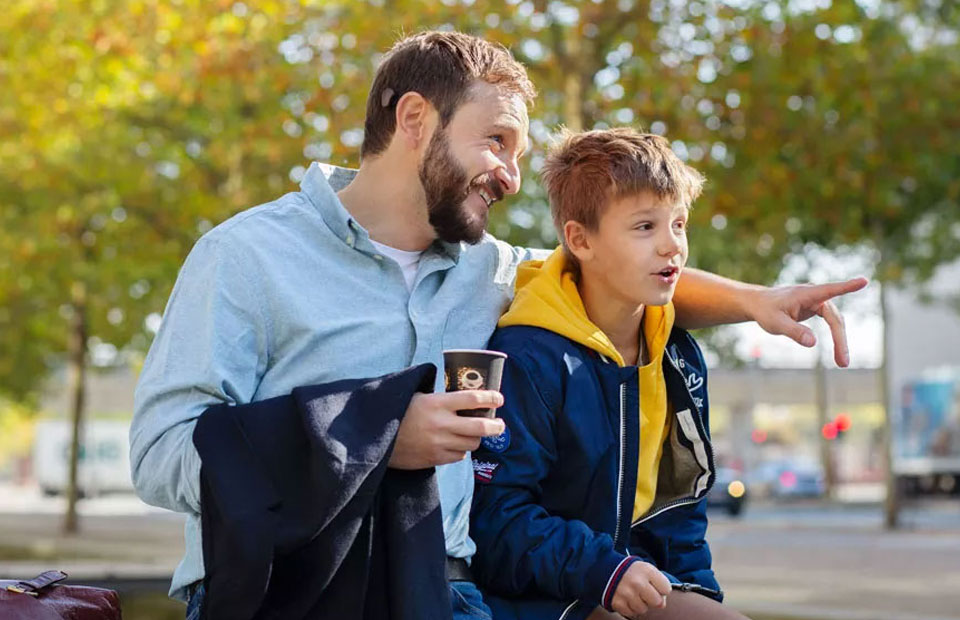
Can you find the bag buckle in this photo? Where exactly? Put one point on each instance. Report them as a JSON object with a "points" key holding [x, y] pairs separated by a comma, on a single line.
{"points": [[38, 583]]}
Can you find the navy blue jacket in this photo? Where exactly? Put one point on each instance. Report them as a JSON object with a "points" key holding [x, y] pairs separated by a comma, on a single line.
{"points": [[554, 496], [303, 519]]}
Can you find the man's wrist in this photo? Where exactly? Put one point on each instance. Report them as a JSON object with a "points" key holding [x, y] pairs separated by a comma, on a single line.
{"points": [[748, 299]]}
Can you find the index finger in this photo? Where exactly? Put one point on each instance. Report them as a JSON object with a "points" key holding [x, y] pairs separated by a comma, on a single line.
{"points": [[660, 582], [825, 292]]}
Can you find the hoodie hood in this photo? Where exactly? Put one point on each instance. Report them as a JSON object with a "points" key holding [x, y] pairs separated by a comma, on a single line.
{"points": [[547, 297]]}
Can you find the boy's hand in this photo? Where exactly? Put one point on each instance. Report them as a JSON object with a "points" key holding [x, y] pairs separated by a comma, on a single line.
{"points": [[641, 588], [431, 433]]}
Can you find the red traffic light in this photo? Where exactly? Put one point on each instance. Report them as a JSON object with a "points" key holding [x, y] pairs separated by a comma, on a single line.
{"points": [[829, 431], [758, 435], [842, 421]]}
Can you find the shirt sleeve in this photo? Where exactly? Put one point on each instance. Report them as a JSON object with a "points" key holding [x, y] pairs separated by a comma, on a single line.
{"points": [[532, 253], [211, 348]]}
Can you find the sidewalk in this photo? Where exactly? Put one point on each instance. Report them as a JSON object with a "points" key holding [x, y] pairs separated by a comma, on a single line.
{"points": [[815, 562]]}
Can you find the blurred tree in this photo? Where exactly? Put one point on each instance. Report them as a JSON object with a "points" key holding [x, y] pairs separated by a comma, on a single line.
{"points": [[127, 129], [864, 149]]}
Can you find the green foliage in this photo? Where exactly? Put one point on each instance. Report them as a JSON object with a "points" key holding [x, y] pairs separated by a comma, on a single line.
{"points": [[130, 127]]}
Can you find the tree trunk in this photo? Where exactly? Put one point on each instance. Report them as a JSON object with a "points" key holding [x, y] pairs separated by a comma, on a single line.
{"points": [[891, 504], [823, 414], [77, 387]]}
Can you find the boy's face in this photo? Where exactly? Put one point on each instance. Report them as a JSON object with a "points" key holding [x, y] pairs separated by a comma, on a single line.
{"points": [[638, 250]]}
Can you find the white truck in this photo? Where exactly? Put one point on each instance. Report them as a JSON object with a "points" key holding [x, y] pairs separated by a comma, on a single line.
{"points": [[926, 448], [104, 465]]}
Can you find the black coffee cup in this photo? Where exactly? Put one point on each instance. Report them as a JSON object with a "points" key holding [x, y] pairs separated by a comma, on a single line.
{"points": [[473, 369]]}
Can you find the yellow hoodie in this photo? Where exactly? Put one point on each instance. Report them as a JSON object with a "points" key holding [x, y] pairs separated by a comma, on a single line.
{"points": [[547, 297]]}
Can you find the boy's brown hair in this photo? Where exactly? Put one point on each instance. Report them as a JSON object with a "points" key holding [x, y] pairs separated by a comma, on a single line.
{"points": [[584, 171], [441, 66]]}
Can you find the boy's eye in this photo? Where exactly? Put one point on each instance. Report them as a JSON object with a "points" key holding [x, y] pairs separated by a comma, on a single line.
{"points": [[680, 225], [644, 226]]}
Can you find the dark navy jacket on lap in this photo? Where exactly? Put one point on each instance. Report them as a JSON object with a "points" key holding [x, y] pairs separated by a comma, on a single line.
{"points": [[301, 516], [554, 496]]}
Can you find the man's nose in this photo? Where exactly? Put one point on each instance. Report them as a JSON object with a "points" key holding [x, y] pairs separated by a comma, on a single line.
{"points": [[509, 176]]}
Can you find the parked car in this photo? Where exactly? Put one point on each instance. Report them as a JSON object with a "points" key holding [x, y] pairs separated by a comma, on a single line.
{"points": [[729, 492], [788, 479]]}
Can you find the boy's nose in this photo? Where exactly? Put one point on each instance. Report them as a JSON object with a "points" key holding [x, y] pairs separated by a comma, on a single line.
{"points": [[671, 244]]}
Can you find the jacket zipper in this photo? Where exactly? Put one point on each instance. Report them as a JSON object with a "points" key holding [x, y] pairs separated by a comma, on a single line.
{"points": [[566, 612], [623, 452]]}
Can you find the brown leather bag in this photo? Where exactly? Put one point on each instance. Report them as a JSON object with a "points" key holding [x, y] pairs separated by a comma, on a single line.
{"points": [[41, 598]]}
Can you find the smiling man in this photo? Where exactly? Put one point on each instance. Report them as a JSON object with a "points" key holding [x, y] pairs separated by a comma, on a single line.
{"points": [[363, 273]]}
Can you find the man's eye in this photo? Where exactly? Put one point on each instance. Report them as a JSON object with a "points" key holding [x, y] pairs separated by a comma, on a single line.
{"points": [[498, 140]]}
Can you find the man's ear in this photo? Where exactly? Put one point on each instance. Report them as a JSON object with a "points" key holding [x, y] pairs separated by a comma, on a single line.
{"points": [[577, 240], [413, 119]]}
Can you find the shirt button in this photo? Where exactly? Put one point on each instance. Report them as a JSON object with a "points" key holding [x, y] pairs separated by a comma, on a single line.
{"points": [[350, 240], [377, 257]]}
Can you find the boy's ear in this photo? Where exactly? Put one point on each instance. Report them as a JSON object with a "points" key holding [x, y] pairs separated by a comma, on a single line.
{"points": [[577, 240], [413, 119]]}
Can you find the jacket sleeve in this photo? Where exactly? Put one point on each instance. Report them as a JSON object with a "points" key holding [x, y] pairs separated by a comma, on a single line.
{"points": [[211, 349], [521, 548]]}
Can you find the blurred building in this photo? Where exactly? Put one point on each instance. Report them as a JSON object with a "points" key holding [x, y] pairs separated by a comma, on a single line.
{"points": [[924, 333]]}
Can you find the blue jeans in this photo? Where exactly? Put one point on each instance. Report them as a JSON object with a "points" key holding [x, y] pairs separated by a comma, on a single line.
{"points": [[465, 599], [195, 600], [467, 602]]}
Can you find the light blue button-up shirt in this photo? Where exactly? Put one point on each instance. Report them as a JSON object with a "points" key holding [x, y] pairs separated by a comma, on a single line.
{"points": [[293, 293]]}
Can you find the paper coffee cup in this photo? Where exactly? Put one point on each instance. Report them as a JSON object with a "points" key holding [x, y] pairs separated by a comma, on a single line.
{"points": [[473, 369]]}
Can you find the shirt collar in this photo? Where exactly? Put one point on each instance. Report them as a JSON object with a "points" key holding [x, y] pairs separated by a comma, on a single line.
{"points": [[321, 184]]}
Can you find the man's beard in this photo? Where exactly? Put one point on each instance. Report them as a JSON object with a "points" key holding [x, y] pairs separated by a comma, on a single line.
{"points": [[446, 187]]}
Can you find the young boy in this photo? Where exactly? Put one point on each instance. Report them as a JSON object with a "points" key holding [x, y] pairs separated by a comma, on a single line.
{"points": [[592, 500]]}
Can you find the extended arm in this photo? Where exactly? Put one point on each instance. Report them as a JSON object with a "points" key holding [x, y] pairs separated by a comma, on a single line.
{"points": [[704, 299]]}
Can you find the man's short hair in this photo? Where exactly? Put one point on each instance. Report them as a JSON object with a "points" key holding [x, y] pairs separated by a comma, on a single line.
{"points": [[441, 66], [583, 172]]}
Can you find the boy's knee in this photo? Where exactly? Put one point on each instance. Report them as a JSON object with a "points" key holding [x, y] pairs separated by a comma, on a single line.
{"points": [[692, 606]]}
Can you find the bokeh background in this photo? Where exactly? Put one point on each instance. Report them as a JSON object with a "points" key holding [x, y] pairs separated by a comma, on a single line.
{"points": [[829, 132]]}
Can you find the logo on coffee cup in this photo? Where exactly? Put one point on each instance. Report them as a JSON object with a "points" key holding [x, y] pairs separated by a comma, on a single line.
{"points": [[470, 379]]}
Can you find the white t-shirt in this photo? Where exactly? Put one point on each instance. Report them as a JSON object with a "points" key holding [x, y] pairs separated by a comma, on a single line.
{"points": [[408, 261]]}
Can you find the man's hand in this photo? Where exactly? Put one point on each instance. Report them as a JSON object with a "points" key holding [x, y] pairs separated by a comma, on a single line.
{"points": [[432, 433], [641, 588], [780, 310]]}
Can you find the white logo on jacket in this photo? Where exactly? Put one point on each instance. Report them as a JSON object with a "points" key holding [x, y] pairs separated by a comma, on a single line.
{"points": [[483, 470], [694, 382]]}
